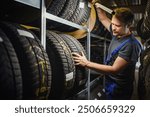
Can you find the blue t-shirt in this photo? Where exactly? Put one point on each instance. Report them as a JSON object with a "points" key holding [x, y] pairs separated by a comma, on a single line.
{"points": [[129, 52]]}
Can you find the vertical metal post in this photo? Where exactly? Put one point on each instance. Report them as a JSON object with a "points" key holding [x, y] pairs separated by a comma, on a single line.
{"points": [[88, 53], [43, 23], [105, 55]]}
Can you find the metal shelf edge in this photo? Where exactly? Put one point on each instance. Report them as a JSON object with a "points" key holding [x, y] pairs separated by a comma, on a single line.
{"points": [[63, 21], [33, 3]]}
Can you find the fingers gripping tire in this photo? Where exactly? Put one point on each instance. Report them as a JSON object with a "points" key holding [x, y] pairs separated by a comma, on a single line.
{"points": [[35, 67], [10, 73]]}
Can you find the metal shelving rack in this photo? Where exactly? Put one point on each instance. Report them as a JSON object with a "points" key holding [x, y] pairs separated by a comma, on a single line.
{"points": [[40, 4]]}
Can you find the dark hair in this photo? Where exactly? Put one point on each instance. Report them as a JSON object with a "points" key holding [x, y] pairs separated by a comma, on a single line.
{"points": [[124, 15]]}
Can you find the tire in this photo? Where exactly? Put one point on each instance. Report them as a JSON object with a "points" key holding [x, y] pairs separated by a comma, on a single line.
{"points": [[80, 16], [35, 67], [144, 79], [143, 26], [56, 6], [80, 77], [144, 83], [99, 29], [66, 13], [10, 73], [147, 82], [69, 9], [142, 33], [63, 77], [79, 34]]}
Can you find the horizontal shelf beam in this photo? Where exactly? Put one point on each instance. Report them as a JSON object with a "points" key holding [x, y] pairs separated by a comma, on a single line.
{"points": [[66, 22], [33, 3], [36, 4]]}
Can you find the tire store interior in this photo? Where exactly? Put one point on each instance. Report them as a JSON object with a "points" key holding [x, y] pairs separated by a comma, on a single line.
{"points": [[37, 38]]}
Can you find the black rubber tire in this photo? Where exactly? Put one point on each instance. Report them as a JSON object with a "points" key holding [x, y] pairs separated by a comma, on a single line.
{"points": [[69, 9], [144, 76], [60, 55], [98, 27], [100, 30], [143, 26], [145, 57], [35, 67], [66, 13], [80, 16], [147, 83], [10, 73], [140, 31], [144, 83], [81, 72], [56, 6]]}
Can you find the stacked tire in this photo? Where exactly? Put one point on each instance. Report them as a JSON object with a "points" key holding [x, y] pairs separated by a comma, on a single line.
{"points": [[143, 26], [67, 79], [77, 11], [81, 72], [10, 73], [144, 76], [143, 30], [33, 61], [27, 70]]}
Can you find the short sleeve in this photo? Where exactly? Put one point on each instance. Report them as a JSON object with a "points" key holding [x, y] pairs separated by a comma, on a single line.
{"points": [[126, 51]]}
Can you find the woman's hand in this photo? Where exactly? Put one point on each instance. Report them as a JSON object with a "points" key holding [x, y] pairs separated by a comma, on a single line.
{"points": [[80, 59]]}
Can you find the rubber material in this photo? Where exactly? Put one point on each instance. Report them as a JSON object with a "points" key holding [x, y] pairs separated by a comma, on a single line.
{"points": [[10, 73], [35, 67], [80, 76]]}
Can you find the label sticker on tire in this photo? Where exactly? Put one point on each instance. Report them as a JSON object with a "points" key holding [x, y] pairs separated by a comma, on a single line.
{"points": [[1, 40], [69, 76]]}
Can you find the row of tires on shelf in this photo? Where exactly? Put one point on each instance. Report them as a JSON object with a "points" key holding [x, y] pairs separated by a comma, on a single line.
{"points": [[77, 11], [27, 71]]}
